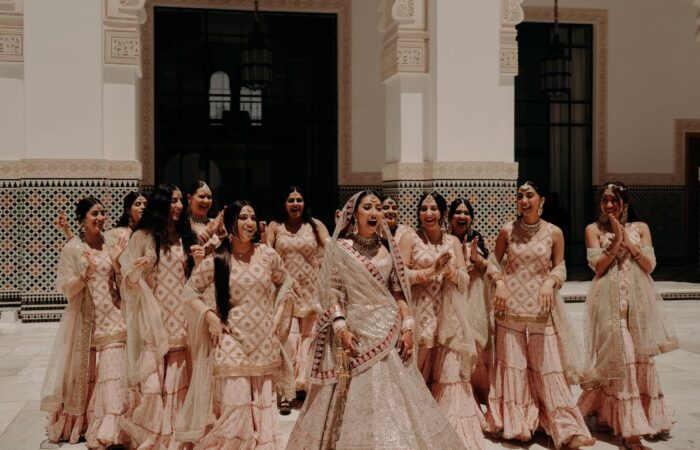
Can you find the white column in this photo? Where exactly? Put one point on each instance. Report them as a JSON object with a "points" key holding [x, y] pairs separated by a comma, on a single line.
{"points": [[63, 79], [465, 79]]}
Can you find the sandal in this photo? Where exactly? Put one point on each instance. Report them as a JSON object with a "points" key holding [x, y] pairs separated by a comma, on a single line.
{"points": [[634, 445], [285, 407], [579, 441]]}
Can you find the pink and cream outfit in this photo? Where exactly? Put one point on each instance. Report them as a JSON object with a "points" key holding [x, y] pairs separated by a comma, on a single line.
{"points": [[300, 253], [446, 347], [626, 326], [240, 375], [536, 356], [157, 353], [88, 357]]}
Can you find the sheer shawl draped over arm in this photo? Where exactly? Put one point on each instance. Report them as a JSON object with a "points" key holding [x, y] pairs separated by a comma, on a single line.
{"points": [[66, 382], [572, 358], [651, 332], [196, 413], [146, 338]]}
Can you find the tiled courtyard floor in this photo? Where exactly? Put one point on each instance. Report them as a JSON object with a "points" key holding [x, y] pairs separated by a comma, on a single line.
{"points": [[24, 353]]}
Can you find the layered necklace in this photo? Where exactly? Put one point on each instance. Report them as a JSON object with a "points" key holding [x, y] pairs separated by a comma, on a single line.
{"points": [[203, 220], [529, 229], [366, 246]]}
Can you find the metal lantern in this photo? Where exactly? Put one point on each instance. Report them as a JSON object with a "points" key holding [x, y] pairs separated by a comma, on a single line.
{"points": [[555, 69], [256, 59]]}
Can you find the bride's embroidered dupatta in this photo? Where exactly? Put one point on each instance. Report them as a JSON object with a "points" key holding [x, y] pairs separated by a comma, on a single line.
{"points": [[372, 314], [651, 332], [66, 382]]}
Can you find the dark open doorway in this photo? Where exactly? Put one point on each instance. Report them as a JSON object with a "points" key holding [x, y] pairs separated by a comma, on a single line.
{"points": [[247, 143], [554, 138]]}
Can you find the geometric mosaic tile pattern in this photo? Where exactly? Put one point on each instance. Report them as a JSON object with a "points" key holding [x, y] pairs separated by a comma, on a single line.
{"points": [[30, 243], [493, 201]]}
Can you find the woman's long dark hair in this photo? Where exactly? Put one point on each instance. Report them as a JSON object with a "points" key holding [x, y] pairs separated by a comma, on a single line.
{"points": [[441, 203], [155, 221], [222, 257], [129, 200], [281, 213], [474, 234]]}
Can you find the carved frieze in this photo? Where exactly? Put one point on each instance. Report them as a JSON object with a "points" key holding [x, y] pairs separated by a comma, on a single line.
{"points": [[11, 31], [450, 170], [511, 15], [121, 31], [405, 47]]}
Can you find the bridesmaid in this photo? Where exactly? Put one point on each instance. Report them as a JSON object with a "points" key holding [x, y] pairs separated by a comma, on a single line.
{"points": [[446, 351], [155, 266], [626, 325], [299, 238], [237, 342], [461, 219], [391, 214], [536, 355], [209, 231], [92, 325]]}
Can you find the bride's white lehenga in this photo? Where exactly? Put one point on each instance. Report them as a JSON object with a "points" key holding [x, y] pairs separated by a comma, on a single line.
{"points": [[386, 404]]}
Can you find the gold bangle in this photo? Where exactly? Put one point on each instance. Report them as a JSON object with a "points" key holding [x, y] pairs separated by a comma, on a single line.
{"points": [[639, 256]]}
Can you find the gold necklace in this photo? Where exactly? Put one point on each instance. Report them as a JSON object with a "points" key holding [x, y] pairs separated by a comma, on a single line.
{"points": [[366, 246], [529, 229]]}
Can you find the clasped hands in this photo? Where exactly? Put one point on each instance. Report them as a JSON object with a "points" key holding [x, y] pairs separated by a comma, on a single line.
{"points": [[545, 295]]}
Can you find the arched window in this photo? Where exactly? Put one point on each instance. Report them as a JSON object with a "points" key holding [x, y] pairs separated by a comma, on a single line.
{"points": [[219, 96], [251, 102]]}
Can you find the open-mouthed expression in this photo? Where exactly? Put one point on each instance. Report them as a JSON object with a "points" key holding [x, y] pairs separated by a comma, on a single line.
{"points": [[368, 215], [200, 202], [391, 212], [611, 204], [94, 220], [247, 224], [461, 220], [294, 206], [529, 201], [429, 214]]}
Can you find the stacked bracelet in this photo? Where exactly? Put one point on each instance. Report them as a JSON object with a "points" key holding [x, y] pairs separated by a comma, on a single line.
{"points": [[420, 277], [639, 256], [408, 324], [339, 326]]}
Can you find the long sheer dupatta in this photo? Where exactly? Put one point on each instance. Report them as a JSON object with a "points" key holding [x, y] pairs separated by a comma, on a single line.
{"points": [[196, 413], [572, 356], [66, 382], [146, 338], [651, 332], [341, 266]]}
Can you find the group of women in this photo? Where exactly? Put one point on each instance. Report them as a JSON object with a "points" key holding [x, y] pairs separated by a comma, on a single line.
{"points": [[185, 331]]}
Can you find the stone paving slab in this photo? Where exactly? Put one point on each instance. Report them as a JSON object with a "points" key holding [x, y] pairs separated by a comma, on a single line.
{"points": [[25, 348]]}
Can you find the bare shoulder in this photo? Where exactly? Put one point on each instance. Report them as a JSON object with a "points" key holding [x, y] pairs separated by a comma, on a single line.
{"points": [[642, 227], [592, 228], [556, 231]]}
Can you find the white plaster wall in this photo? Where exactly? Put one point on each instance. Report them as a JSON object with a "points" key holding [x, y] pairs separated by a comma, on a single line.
{"points": [[11, 110], [119, 106], [63, 79], [653, 78], [466, 77], [368, 138]]}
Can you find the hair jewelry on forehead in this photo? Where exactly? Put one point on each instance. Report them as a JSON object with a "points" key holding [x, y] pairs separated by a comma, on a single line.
{"points": [[610, 188], [206, 187]]}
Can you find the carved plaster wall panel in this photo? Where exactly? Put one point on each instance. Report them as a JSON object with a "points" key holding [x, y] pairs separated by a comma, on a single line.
{"points": [[450, 170], [121, 31], [69, 169], [342, 8], [405, 47], [511, 15], [121, 47], [11, 31]]}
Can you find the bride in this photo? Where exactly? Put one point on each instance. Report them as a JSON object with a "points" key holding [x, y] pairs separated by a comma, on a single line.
{"points": [[365, 389]]}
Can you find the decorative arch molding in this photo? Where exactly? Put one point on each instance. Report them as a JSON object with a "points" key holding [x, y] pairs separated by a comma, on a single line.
{"points": [[342, 8]]}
